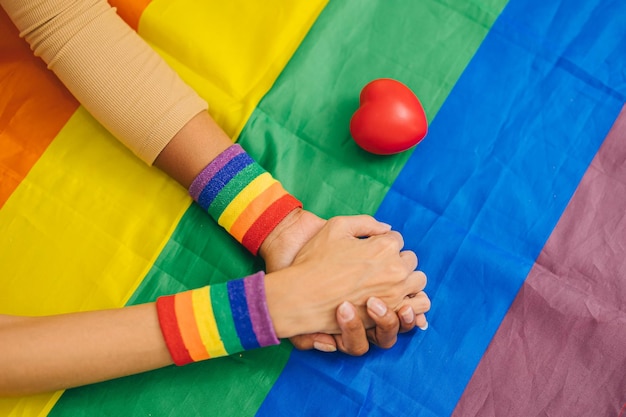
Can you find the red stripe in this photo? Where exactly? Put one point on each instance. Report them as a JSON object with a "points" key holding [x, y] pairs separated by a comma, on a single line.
{"points": [[268, 221], [166, 311]]}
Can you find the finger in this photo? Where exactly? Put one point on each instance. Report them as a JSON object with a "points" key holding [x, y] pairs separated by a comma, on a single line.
{"points": [[385, 333], [420, 303], [392, 240], [319, 341], [407, 318], [415, 283], [358, 226], [421, 322], [414, 308], [353, 340], [409, 258]]}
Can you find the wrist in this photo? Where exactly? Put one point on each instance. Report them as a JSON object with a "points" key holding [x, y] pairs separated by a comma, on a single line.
{"points": [[285, 224], [295, 307], [216, 320], [242, 197]]}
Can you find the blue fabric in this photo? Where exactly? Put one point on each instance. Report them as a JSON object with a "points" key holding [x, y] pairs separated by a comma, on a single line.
{"points": [[477, 200]]}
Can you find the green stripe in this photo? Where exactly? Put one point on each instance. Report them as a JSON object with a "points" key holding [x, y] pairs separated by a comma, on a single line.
{"points": [[300, 134], [233, 188], [199, 253], [224, 318], [300, 130]]}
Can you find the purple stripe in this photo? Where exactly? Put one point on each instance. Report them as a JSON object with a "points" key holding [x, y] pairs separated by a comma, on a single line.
{"points": [[213, 189], [213, 168], [561, 348], [257, 307]]}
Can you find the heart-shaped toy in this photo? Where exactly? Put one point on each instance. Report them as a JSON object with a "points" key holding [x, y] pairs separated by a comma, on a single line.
{"points": [[390, 118]]}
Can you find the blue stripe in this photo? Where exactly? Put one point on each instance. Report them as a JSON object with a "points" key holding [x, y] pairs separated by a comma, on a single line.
{"points": [[477, 201], [223, 176], [241, 315]]}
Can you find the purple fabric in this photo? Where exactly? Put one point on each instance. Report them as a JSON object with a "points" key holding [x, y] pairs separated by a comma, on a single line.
{"points": [[257, 307], [210, 170], [566, 329]]}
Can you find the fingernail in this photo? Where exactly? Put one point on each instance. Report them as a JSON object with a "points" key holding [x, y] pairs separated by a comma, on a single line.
{"points": [[408, 316], [346, 311], [424, 327], [324, 347], [377, 306]]}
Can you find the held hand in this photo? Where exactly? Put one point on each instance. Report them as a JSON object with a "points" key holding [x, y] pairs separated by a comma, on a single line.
{"points": [[337, 266], [355, 339], [282, 245]]}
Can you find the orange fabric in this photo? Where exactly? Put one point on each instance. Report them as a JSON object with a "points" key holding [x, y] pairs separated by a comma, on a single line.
{"points": [[27, 126], [130, 10]]}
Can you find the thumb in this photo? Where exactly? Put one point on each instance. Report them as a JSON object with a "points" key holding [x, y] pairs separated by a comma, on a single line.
{"points": [[364, 226]]}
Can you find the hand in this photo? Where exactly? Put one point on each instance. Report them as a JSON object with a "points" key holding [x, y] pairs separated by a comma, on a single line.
{"points": [[355, 339], [281, 246], [303, 297], [279, 250]]}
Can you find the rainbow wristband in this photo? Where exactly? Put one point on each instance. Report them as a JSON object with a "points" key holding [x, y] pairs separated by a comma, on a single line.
{"points": [[242, 197], [216, 320]]}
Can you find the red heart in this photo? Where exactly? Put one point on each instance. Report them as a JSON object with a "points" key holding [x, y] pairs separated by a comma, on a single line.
{"points": [[390, 118]]}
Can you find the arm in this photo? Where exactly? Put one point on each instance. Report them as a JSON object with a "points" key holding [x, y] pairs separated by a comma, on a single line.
{"points": [[133, 93], [40, 354], [47, 353]]}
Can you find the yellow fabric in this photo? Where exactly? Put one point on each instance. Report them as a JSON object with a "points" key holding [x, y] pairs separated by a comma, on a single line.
{"points": [[66, 205], [230, 52], [32, 406], [100, 215], [110, 70], [90, 196]]}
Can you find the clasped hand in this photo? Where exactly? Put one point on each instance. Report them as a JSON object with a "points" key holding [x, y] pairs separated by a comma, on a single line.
{"points": [[329, 281]]}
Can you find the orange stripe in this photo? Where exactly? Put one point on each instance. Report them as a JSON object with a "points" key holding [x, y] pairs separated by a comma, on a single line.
{"points": [[34, 106], [189, 327], [258, 206], [130, 10]]}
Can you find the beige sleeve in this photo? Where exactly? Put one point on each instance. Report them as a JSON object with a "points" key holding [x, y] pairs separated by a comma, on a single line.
{"points": [[112, 72]]}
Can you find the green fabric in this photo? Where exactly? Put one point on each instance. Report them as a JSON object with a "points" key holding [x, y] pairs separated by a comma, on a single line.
{"points": [[198, 253], [300, 134], [300, 130]]}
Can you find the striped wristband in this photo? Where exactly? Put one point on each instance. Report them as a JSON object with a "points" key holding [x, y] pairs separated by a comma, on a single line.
{"points": [[216, 320], [242, 197]]}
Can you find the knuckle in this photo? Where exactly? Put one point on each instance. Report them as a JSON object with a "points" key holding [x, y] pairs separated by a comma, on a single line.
{"points": [[387, 324], [387, 344], [410, 258], [352, 327]]}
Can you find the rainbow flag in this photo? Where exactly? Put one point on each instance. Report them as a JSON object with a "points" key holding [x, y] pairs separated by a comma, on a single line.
{"points": [[514, 202]]}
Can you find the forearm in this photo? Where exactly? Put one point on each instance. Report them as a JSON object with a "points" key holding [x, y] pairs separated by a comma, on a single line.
{"points": [[112, 72], [47, 353]]}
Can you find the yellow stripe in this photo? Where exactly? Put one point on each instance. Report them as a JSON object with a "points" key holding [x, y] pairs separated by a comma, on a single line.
{"points": [[244, 198], [32, 406], [85, 226], [230, 52], [60, 249], [207, 325]]}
